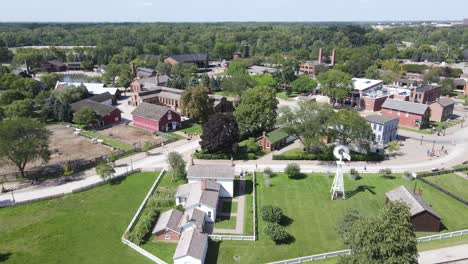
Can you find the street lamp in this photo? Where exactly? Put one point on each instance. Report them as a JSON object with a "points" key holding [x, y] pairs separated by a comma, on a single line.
{"points": [[422, 137], [433, 145]]}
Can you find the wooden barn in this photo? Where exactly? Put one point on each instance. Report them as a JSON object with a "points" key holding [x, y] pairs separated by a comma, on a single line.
{"points": [[155, 118], [423, 217]]}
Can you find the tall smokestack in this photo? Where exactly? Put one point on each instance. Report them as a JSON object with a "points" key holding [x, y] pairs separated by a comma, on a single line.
{"points": [[320, 56], [333, 57]]}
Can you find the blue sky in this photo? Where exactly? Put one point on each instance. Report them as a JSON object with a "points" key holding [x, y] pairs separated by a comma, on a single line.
{"points": [[237, 10]]}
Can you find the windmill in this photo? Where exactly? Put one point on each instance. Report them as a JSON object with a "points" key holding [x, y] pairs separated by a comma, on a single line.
{"points": [[340, 152]]}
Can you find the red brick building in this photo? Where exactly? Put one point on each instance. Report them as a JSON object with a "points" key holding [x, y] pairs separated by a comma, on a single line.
{"points": [[200, 60], [412, 115], [273, 140], [107, 115], [442, 110], [167, 228], [155, 118], [54, 66], [423, 216], [426, 94]]}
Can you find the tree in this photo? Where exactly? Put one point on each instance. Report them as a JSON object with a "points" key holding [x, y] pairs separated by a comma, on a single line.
{"points": [[448, 86], [220, 133], [237, 83], [373, 72], [349, 127], [20, 108], [23, 140], [70, 93], [106, 171], [177, 165], [85, 117], [195, 102], [345, 223], [265, 80], [293, 171], [50, 80], [335, 84], [257, 111], [432, 76], [309, 123], [393, 147], [387, 238], [271, 214], [276, 232], [9, 96], [56, 110], [304, 84], [237, 67]]}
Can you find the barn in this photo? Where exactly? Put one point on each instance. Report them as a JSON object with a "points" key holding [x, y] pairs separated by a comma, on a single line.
{"points": [[155, 118], [107, 115], [423, 216]]}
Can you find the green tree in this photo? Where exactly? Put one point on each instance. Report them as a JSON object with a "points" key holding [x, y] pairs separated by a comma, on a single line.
{"points": [[308, 123], [393, 147], [257, 111], [20, 108], [349, 127], [105, 171], [276, 232], [237, 67], [9, 96], [373, 72], [387, 238], [293, 171], [22, 141], [271, 214], [265, 80], [237, 84], [50, 80], [220, 133], [85, 117], [335, 84], [448, 86], [177, 166], [346, 222], [304, 84], [195, 103]]}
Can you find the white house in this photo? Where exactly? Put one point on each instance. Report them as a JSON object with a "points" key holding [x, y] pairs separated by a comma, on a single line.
{"points": [[222, 174], [192, 247], [385, 128], [203, 195]]}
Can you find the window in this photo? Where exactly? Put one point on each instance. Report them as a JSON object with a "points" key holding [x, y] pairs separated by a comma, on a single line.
{"points": [[407, 114], [167, 237], [209, 214], [380, 127], [268, 144], [378, 138], [169, 115]]}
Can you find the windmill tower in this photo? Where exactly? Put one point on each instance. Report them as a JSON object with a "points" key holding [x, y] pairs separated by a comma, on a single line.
{"points": [[340, 152]]}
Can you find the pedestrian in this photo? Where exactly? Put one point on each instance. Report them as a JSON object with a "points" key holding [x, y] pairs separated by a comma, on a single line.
{"points": [[365, 168]]}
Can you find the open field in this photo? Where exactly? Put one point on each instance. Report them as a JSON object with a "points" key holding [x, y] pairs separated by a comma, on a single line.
{"points": [[452, 183], [78, 228], [66, 147], [313, 216], [130, 136]]}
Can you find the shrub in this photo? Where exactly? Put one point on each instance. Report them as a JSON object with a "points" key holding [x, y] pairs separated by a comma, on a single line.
{"points": [[353, 174], [271, 214], [67, 171], [144, 225], [276, 232], [161, 200], [293, 171], [386, 171], [407, 176], [180, 208], [147, 146], [267, 172], [267, 183]]}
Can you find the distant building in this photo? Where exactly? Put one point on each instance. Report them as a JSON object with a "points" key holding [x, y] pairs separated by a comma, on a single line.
{"points": [[74, 66], [423, 216], [200, 60], [412, 115], [442, 109], [93, 88], [411, 79], [385, 128], [374, 99], [155, 118], [315, 67], [142, 72], [104, 98], [54, 66], [426, 94], [259, 70], [274, 140], [362, 86], [107, 115]]}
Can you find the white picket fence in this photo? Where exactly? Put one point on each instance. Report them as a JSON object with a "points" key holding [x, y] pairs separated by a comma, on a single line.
{"points": [[232, 237], [135, 217], [348, 251]]}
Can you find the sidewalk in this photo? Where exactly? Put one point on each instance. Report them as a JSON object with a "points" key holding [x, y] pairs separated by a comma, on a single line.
{"points": [[445, 255]]}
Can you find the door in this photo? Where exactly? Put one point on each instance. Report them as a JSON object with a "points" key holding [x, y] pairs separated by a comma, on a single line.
{"points": [[174, 125]]}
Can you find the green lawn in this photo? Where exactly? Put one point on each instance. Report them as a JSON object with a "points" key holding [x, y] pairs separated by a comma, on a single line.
{"points": [[426, 131], [313, 216], [229, 206], [452, 183], [282, 95], [226, 222], [447, 242], [114, 143], [248, 209], [78, 228], [193, 128]]}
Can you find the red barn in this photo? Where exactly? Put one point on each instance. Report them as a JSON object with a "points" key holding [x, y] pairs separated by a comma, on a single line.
{"points": [[423, 217], [155, 118], [413, 115], [107, 115]]}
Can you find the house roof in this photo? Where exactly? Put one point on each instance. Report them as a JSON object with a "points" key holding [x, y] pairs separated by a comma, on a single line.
{"points": [[199, 171], [168, 220], [56, 63], [190, 57], [445, 101], [93, 88], [194, 216], [379, 119], [154, 80], [415, 203], [100, 109], [405, 106], [151, 111], [192, 243], [425, 88], [196, 195], [277, 135], [362, 84], [257, 69], [101, 97]]}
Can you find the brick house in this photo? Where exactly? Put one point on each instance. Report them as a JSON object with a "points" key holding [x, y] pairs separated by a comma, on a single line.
{"points": [[423, 216], [167, 227], [200, 60], [155, 118], [412, 115], [274, 140], [442, 110], [107, 115], [426, 94]]}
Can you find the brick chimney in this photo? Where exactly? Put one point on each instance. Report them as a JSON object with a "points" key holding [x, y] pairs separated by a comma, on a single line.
{"points": [[333, 57], [264, 140], [320, 56]]}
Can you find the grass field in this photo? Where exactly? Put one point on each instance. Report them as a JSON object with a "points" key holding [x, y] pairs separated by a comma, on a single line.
{"points": [[313, 215], [111, 142], [79, 228], [452, 183], [194, 129], [282, 95]]}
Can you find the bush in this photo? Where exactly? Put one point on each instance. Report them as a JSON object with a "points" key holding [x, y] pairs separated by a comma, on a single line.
{"points": [[67, 171], [276, 232], [267, 172], [267, 183], [353, 174], [293, 171], [386, 171], [161, 200], [271, 214], [326, 155], [407, 176], [143, 227], [180, 208]]}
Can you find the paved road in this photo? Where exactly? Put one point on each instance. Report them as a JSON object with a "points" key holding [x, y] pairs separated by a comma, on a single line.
{"points": [[455, 254]]}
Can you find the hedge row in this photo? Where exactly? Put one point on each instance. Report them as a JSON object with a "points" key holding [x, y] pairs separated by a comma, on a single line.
{"points": [[327, 156], [225, 156], [140, 232]]}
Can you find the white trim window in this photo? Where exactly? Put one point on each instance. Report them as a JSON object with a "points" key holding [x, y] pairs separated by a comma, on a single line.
{"points": [[167, 237]]}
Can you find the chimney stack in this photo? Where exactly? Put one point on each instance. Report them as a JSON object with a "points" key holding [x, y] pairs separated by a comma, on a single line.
{"points": [[333, 57], [320, 56]]}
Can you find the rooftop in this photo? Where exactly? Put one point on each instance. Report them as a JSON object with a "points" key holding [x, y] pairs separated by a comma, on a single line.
{"points": [[379, 119], [405, 106], [277, 135], [445, 101], [362, 84], [101, 97], [192, 243], [195, 193], [425, 88], [100, 109], [257, 69], [210, 172], [415, 203], [190, 57], [151, 111], [93, 88], [168, 220]]}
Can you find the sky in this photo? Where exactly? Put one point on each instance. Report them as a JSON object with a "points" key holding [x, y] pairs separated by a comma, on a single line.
{"points": [[224, 10]]}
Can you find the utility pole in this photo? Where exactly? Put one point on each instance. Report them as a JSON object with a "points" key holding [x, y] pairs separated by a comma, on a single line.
{"points": [[433, 145], [422, 137]]}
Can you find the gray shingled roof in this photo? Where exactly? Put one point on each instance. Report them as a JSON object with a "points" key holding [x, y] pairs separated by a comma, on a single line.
{"points": [[379, 119], [195, 195], [151, 111], [445, 101], [210, 172], [168, 220], [154, 80], [190, 57], [194, 216], [101, 97], [405, 106], [425, 88], [100, 109], [415, 203], [192, 243]]}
